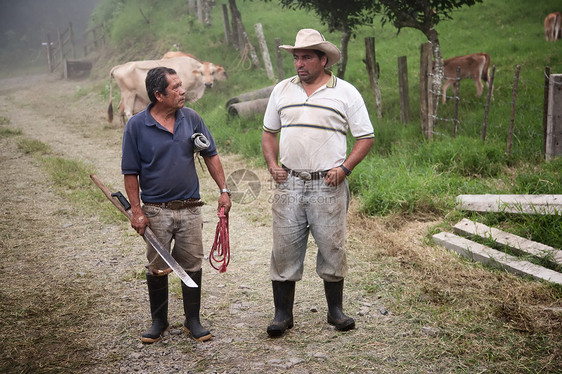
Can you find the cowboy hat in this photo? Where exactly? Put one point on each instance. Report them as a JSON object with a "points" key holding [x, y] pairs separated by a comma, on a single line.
{"points": [[312, 39]]}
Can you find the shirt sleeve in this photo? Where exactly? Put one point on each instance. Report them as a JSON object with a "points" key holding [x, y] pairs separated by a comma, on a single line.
{"points": [[358, 118], [130, 161], [271, 119]]}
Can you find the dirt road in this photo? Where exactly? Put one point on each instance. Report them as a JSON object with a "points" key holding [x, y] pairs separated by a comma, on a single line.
{"points": [[72, 291]]}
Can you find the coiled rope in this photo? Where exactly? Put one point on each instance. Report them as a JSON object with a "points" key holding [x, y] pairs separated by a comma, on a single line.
{"points": [[220, 252]]}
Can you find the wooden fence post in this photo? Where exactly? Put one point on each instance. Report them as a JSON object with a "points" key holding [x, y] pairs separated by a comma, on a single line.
{"points": [[278, 53], [191, 7], [403, 89], [426, 97], [227, 35], [545, 105], [513, 100], [200, 11], [264, 51], [456, 88], [488, 98], [372, 69], [554, 126], [61, 48], [50, 55], [234, 16]]}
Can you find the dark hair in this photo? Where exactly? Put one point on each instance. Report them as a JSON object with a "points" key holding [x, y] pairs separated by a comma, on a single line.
{"points": [[157, 80]]}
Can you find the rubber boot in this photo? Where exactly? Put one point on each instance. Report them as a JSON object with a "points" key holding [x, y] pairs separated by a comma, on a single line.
{"points": [[158, 296], [334, 297], [191, 307], [283, 298]]}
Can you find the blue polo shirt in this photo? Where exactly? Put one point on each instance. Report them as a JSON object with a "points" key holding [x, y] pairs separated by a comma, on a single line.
{"points": [[164, 161]]}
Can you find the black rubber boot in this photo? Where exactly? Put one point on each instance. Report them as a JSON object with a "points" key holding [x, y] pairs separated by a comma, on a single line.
{"points": [[334, 297], [191, 307], [283, 298], [158, 296]]}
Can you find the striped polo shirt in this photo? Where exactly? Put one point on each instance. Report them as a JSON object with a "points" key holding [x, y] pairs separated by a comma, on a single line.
{"points": [[313, 128]]}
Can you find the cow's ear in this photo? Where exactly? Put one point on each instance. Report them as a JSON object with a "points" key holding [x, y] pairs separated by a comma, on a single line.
{"points": [[196, 72]]}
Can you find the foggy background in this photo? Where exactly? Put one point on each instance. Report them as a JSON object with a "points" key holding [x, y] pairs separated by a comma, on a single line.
{"points": [[24, 25]]}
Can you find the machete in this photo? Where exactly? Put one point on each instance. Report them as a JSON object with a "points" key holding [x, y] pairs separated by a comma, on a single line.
{"points": [[124, 207]]}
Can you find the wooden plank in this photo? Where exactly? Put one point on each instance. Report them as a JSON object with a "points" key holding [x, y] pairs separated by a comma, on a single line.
{"points": [[469, 228], [529, 204], [492, 257]]}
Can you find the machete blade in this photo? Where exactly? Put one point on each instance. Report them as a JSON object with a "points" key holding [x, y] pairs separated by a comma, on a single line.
{"points": [[166, 256]]}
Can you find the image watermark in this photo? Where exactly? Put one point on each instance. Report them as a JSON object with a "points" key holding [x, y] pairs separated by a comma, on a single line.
{"points": [[245, 186]]}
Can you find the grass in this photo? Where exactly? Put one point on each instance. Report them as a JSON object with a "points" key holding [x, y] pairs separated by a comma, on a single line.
{"points": [[70, 178]]}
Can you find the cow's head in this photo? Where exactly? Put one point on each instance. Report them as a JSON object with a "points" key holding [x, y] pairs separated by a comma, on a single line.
{"points": [[210, 72], [220, 73]]}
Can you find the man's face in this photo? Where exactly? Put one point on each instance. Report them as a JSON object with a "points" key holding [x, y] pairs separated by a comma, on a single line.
{"points": [[308, 65], [174, 96]]}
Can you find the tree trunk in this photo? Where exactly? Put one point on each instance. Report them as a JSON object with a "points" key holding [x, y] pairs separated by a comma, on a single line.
{"points": [[345, 36]]}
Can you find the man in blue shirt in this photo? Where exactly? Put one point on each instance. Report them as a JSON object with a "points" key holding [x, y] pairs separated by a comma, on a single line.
{"points": [[159, 170]]}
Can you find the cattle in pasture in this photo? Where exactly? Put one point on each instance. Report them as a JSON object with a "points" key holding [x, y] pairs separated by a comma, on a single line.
{"points": [[475, 66], [211, 72], [553, 26], [130, 78]]}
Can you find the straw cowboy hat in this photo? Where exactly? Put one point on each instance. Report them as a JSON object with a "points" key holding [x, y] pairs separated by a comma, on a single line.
{"points": [[312, 39]]}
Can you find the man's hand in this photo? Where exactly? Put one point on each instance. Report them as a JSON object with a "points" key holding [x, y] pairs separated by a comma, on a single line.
{"points": [[278, 174], [334, 176], [139, 222], [224, 201]]}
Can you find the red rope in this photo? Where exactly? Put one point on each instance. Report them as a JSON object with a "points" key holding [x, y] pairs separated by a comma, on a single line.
{"points": [[220, 252]]}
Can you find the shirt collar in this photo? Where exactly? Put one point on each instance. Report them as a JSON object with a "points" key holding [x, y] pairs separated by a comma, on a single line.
{"points": [[150, 121]]}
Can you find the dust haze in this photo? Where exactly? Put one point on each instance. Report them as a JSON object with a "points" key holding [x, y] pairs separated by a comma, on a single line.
{"points": [[25, 24]]}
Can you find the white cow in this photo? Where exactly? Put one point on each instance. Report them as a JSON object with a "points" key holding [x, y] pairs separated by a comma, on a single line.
{"points": [[130, 78], [211, 72]]}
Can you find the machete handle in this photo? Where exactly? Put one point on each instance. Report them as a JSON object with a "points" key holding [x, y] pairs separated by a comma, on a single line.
{"points": [[122, 199], [114, 200]]}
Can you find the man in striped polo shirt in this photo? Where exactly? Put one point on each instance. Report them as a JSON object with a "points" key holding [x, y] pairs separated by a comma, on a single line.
{"points": [[312, 113]]}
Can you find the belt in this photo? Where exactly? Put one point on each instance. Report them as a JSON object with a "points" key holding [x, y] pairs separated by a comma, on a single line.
{"points": [[178, 204], [306, 175]]}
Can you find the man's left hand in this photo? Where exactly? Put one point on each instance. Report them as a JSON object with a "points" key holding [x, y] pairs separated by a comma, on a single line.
{"points": [[334, 176], [224, 201]]}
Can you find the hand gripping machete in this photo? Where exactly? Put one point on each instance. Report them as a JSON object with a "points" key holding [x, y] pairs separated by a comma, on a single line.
{"points": [[124, 207]]}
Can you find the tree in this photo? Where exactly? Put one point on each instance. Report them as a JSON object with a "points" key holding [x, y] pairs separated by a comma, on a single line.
{"points": [[340, 15]]}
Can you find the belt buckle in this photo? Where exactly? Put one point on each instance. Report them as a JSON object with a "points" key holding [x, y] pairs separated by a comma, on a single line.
{"points": [[175, 204], [305, 175]]}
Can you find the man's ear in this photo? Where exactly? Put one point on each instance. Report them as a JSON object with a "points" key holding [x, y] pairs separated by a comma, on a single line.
{"points": [[324, 60], [158, 95]]}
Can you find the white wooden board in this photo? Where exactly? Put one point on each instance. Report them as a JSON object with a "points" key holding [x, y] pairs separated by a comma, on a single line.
{"points": [[492, 257], [469, 228], [529, 204]]}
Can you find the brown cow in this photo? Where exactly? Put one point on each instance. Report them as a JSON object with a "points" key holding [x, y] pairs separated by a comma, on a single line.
{"points": [[473, 66], [130, 78], [210, 70], [553, 26]]}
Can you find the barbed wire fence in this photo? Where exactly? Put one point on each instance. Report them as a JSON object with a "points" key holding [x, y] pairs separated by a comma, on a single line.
{"points": [[549, 110]]}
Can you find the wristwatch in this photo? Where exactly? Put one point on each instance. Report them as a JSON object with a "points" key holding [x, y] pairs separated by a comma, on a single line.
{"points": [[345, 170], [223, 190]]}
